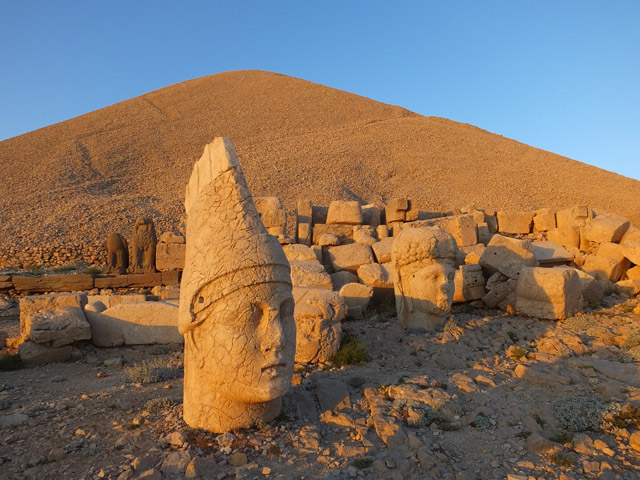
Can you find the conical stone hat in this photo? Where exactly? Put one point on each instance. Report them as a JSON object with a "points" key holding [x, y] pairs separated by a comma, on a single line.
{"points": [[228, 248]]}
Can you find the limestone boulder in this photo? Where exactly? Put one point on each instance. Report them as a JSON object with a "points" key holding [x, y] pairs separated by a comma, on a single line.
{"points": [[631, 250], [299, 252], [33, 353], [343, 232], [172, 237], [576, 216], [304, 233], [339, 279], [501, 292], [53, 283], [550, 253], [170, 256], [35, 303], [568, 237], [112, 300], [371, 215], [375, 275], [608, 227], [364, 234], [544, 220], [329, 240], [551, 293], [318, 315], [382, 250], [633, 273], [592, 288], [469, 283], [344, 212], [309, 273], [272, 213], [461, 227], [350, 257], [608, 262], [357, 297], [629, 287], [138, 323], [631, 235], [473, 253], [503, 250], [396, 208], [518, 223], [58, 327]]}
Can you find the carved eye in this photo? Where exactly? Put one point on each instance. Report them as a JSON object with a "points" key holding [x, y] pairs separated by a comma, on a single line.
{"points": [[257, 312]]}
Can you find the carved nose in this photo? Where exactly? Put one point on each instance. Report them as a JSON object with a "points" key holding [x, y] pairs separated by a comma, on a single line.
{"points": [[274, 335]]}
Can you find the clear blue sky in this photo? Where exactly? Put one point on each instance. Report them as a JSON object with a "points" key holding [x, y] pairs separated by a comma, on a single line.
{"points": [[559, 75]]}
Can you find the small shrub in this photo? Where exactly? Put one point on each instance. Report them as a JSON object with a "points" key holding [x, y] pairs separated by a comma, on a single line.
{"points": [[158, 403], [132, 426], [515, 352], [361, 463], [150, 371], [578, 414], [524, 434], [513, 336], [35, 269], [621, 416], [562, 438], [92, 270], [69, 267], [351, 352], [451, 326], [10, 362], [561, 460], [631, 341]]}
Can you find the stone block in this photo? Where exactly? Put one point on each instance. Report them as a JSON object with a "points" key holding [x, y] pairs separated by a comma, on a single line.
{"points": [[469, 283], [382, 250], [36, 303], [629, 287], [517, 223], [501, 292], [304, 211], [608, 227], [170, 256], [631, 250], [551, 293], [357, 297], [592, 288], [329, 240], [551, 253], [319, 214], [339, 279], [35, 354], [364, 234], [172, 237], [318, 315], [375, 275], [343, 232], [272, 213], [139, 323], [461, 227], [304, 233], [371, 215], [633, 273], [52, 283], [575, 216], [631, 235], [484, 233], [568, 237], [58, 327], [309, 273], [130, 281], [608, 263], [504, 250], [112, 300], [299, 252], [171, 277], [344, 212], [6, 282], [544, 220], [395, 210], [350, 257], [383, 232], [473, 253]]}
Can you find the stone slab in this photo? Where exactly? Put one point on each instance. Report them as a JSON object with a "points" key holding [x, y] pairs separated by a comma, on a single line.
{"points": [[53, 283]]}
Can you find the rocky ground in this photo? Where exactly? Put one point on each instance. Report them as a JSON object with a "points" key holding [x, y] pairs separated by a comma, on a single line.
{"points": [[492, 396]]}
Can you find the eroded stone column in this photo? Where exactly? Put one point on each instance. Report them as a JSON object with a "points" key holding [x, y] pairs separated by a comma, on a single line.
{"points": [[236, 306]]}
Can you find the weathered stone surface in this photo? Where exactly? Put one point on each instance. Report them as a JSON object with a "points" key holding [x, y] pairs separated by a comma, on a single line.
{"points": [[53, 283], [382, 250], [592, 288], [272, 213], [339, 279], [501, 292], [423, 260], [344, 212], [343, 232], [608, 263], [631, 250], [304, 211], [629, 287], [130, 281], [304, 233], [33, 353], [350, 257], [309, 273], [469, 283], [318, 314], [502, 250], [544, 220], [170, 256], [357, 297], [332, 394], [576, 216], [236, 305], [375, 275], [568, 237], [133, 323], [634, 273], [473, 253], [395, 210], [319, 214], [299, 252], [371, 215], [117, 254], [172, 237], [631, 235], [551, 293], [607, 227], [57, 327], [382, 231], [515, 222], [6, 282], [364, 234], [143, 247], [35, 303], [550, 253], [329, 240], [461, 227]]}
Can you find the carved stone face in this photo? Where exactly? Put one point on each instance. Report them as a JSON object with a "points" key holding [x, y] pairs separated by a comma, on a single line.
{"points": [[246, 345], [430, 289]]}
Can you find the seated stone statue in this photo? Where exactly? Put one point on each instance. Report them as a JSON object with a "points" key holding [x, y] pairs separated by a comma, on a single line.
{"points": [[423, 260], [143, 247], [236, 305]]}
